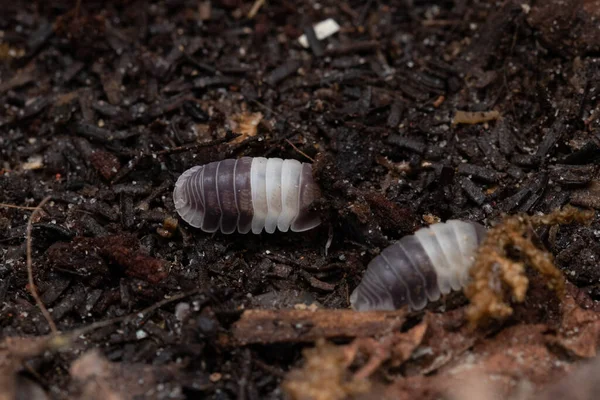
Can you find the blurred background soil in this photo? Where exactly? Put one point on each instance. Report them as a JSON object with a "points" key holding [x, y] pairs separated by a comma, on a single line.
{"points": [[415, 111]]}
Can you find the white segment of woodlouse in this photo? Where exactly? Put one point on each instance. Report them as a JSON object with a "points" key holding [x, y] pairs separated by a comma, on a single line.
{"points": [[259, 193], [273, 179], [434, 252], [467, 242], [444, 233], [290, 183]]}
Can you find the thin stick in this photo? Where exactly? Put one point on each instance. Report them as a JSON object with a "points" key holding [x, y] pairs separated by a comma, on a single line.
{"points": [[264, 107], [145, 313], [32, 287], [18, 207], [299, 151], [77, 8], [197, 146], [255, 7], [66, 338]]}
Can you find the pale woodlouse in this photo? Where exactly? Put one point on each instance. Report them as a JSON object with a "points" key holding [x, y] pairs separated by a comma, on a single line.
{"points": [[248, 194], [420, 267]]}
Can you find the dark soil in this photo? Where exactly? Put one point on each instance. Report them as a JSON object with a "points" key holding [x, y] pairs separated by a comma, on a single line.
{"points": [[104, 104]]}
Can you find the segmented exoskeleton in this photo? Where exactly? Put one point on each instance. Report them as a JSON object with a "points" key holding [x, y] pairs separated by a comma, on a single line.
{"points": [[248, 194], [420, 267]]}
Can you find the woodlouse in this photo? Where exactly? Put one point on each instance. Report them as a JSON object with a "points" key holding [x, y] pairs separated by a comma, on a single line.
{"points": [[248, 194], [420, 267]]}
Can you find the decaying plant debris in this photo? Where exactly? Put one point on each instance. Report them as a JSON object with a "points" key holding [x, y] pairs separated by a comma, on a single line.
{"points": [[280, 326], [465, 117], [106, 103], [496, 277], [324, 376], [443, 356]]}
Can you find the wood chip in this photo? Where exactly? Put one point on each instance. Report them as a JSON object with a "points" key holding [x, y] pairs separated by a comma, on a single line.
{"points": [[290, 326], [470, 118]]}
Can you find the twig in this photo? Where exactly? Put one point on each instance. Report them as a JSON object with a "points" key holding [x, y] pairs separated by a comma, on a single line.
{"points": [[145, 313], [264, 107], [379, 352], [32, 287], [77, 8], [257, 326], [17, 207], [255, 7], [268, 368], [61, 340], [132, 164], [363, 14], [299, 151], [440, 22], [196, 146]]}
